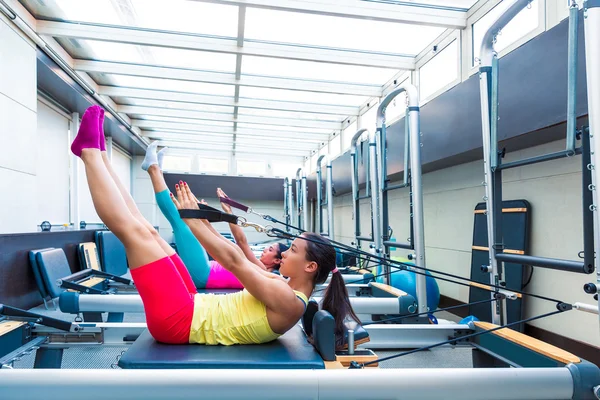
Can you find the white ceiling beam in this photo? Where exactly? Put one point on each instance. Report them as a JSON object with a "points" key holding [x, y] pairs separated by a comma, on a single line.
{"points": [[405, 12], [210, 143], [165, 135], [149, 71], [227, 149], [162, 95], [172, 105], [174, 126], [212, 116], [186, 41]]}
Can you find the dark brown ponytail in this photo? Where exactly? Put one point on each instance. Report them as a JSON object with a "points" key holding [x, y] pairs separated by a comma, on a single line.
{"points": [[336, 300]]}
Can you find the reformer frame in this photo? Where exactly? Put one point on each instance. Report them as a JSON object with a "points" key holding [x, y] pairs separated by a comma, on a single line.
{"points": [[412, 179], [493, 165], [301, 199], [327, 201]]}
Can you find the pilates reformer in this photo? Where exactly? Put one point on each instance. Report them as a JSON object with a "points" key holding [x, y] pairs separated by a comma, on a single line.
{"points": [[539, 371]]}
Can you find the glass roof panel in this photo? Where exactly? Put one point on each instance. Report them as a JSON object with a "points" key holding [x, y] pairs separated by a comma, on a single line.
{"points": [[183, 120], [192, 59], [315, 70], [465, 4], [177, 15], [77, 10], [121, 52], [173, 105], [248, 125], [338, 32], [290, 114], [171, 85], [187, 16], [302, 96]]}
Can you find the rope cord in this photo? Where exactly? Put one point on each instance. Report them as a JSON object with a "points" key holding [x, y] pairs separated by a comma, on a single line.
{"points": [[423, 271], [453, 341], [429, 312]]}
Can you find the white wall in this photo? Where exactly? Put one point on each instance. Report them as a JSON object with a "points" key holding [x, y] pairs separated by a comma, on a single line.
{"points": [[450, 196], [18, 122], [52, 165]]}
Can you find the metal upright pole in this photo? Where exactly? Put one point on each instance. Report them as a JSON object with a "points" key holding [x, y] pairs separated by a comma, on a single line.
{"points": [[319, 209], [375, 207], [487, 56], [286, 206], [592, 58], [290, 201], [304, 201], [355, 187], [299, 197], [415, 187], [417, 193], [330, 229], [572, 78]]}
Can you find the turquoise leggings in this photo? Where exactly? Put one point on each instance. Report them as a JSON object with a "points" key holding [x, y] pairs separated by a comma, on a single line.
{"points": [[191, 252]]}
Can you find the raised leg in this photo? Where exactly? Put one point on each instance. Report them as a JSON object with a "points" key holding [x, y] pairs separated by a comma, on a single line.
{"points": [[189, 248]]}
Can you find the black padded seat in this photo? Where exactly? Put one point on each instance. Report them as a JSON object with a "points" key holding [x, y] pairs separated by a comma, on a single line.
{"points": [[290, 351]]}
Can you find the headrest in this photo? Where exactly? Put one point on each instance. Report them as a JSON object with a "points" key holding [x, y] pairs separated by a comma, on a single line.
{"points": [[88, 256], [53, 265], [39, 280], [112, 253]]}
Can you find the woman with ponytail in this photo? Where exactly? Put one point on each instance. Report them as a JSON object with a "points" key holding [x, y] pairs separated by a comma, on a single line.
{"points": [[176, 313], [336, 301]]}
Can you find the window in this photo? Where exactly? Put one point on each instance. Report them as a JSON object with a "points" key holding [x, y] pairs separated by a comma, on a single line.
{"points": [[338, 32], [177, 163], [334, 146], [313, 162], [316, 71], [213, 165], [526, 21], [285, 169], [249, 167], [439, 72], [369, 119], [349, 132]]}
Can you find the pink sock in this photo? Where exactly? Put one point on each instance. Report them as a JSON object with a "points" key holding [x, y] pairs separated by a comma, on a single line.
{"points": [[185, 275], [101, 127], [88, 135]]}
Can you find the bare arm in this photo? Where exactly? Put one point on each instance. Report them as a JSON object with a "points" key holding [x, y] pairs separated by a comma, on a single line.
{"points": [[223, 241], [274, 293], [240, 237]]}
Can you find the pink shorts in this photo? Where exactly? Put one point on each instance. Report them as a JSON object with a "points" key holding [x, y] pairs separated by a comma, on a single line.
{"points": [[220, 278], [167, 291]]}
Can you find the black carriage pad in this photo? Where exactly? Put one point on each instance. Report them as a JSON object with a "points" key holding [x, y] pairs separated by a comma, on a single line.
{"points": [[290, 351]]}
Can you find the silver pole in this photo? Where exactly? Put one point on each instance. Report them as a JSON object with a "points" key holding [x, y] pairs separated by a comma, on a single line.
{"points": [[416, 186], [330, 229], [304, 202], [299, 198], [486, 57], [355, 187], [375, 199], [592, 59], [286, 206], [325, 384], [290, 201], [417, 190], [319, 210]]}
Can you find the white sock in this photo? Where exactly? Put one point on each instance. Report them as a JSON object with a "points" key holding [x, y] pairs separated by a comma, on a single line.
{"points": [[151, 156], [160, 156]]}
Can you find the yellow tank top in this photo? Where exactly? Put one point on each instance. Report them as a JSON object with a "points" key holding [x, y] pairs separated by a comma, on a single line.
{"points": [[237, 318]]}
